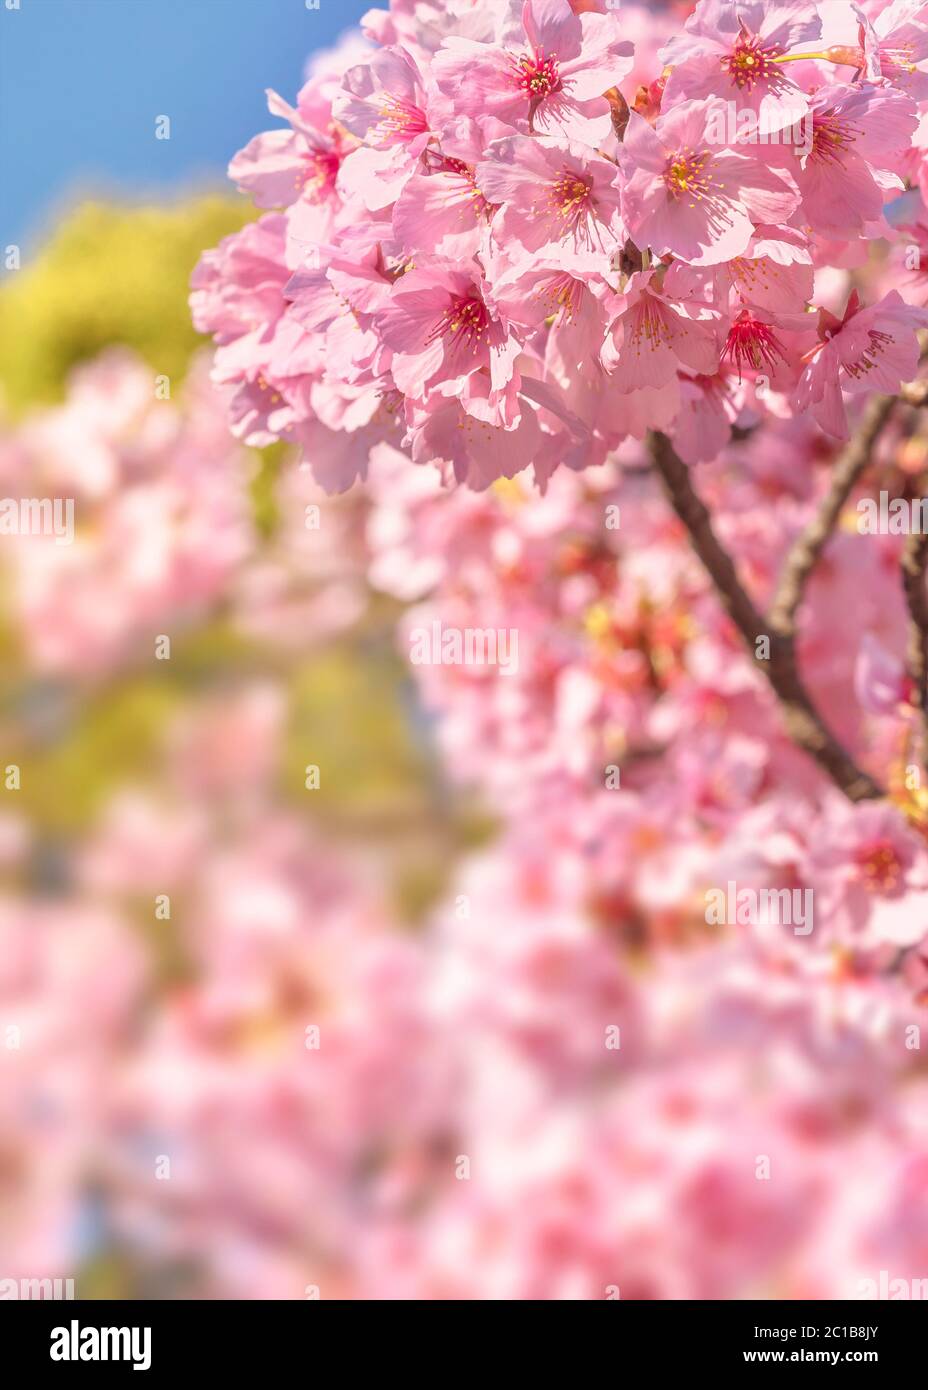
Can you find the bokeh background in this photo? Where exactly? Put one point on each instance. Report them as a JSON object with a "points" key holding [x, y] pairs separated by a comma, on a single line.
{"points": [[281, 656], [321, 976]]}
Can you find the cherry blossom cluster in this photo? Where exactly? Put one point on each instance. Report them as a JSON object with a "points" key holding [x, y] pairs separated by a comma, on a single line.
{"points": [[517, 232], [637, 761], [518, 1102], [634, 727], [568, 1083], [156, 492], [160, 529], [618, 1108]]}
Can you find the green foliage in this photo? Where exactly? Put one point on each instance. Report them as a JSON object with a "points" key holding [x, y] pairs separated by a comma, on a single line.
{"points": [[70, 767], [347, 718], [108, 274], [117, 274], [264, 487]]}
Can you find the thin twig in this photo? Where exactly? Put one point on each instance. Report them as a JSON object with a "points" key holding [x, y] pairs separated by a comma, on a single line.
{"points": [[809, 544], [914, 566], [804, 724]]}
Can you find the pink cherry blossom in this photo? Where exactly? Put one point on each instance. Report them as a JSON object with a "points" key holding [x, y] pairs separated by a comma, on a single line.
{"points": [[161, 529], [443, 329], [730, 50], [870, 878], [896, 43], [384, 106], [282, 166], [858, 136], [442, 209], [686, 196], [871, 349], [554, 199], [880, 683], [548, 76], [775, 272], [650, 336]]}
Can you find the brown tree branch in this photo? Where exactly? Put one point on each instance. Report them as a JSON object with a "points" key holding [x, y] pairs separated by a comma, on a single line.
{"points": [[914, 566], [804, 724], [809, 544]]}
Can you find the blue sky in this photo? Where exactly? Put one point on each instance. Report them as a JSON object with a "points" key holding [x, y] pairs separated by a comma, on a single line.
{"points": [[82, 81]]}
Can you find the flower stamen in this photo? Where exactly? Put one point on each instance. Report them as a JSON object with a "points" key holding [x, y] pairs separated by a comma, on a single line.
{"points": [[752, 343]]}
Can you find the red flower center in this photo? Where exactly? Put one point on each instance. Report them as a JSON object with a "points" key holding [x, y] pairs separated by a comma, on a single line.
{"points": [[319, 172], [880, 868], [752, 343], [537, 76], [447, 164], [750, 62]]}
